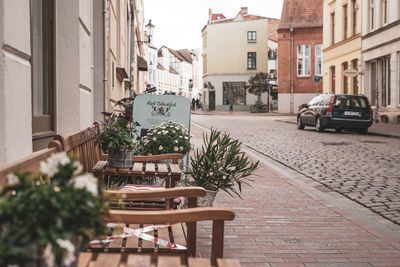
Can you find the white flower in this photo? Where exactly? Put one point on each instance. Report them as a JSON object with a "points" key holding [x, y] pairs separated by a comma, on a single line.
{"points": [[12, 179], [158, 132], [176, 148], [177, 128], [50, 167], [186, 137], [78, 168], [154, 139], [69, 256], [163, 127], [48, 255], [181, 148], [176, 141], [160, 147], [180, 136], [86, 181], [183, 131], [173, 131]]}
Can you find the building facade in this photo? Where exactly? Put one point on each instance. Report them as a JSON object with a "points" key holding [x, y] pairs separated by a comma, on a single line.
{"points": [[233, 50], [381, 57], [57, 78], [299, 53], [342, 47]]}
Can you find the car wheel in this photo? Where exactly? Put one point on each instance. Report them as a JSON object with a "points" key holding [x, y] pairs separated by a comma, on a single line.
{"points": [[338, 130], [300, 124], [318, 126], [363, 131]]}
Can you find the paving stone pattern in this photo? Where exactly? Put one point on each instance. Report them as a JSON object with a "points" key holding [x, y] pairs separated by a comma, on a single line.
{"points": [[361, 167]]}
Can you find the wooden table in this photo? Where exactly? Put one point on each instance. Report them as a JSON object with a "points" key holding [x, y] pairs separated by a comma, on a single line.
{"points": [[170, 172], [87, 259]]}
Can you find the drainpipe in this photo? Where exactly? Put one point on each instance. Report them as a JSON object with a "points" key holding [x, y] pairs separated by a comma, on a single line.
{"points": [[132, 50], [105, 55], [291, 72]]}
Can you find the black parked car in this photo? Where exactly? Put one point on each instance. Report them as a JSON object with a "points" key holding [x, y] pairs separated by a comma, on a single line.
{"points": [[339, 112]]}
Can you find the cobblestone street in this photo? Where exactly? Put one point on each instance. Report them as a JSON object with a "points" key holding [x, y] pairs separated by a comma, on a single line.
{"points": [[364, 168]]}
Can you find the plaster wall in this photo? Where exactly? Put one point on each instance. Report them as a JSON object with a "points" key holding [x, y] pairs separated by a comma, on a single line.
{"points": [[284, 101], [15, 81]]}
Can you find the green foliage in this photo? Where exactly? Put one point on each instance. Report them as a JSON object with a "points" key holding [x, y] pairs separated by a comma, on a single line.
{"points": [[115, 131], [167, 137], [258, 84], [220, 164], [34, 213]]}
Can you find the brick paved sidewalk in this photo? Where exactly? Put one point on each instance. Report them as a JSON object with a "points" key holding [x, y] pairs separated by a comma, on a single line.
{"points": [[279, 223]]}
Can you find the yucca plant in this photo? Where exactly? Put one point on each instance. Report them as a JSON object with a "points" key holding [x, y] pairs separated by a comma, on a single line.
{"points": [[220, 164]]}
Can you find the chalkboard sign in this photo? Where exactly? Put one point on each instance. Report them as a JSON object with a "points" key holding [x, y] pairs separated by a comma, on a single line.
{"points": [[150, 110]]}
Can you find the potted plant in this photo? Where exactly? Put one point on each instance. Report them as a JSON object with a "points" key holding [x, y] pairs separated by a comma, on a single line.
{"points": [[46, 223], [167, 137], [116, 135], [219, 165]]}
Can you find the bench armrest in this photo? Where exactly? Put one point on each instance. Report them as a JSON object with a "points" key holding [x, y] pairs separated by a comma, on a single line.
{"points": [[169, 193]]}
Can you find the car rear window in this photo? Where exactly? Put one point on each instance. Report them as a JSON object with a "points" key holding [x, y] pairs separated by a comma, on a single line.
{"points": [[350, 102]]}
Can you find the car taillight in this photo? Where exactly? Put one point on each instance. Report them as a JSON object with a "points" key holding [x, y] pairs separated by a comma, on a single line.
{"points": [[371, 112], [329, 110]]}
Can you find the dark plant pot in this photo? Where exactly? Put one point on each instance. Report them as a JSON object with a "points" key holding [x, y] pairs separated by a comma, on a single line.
{"points": [[207, 200], [121, 158]]}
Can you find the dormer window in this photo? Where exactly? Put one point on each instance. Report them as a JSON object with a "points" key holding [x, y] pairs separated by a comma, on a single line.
{"points": [[251, 36], [218, 17]]}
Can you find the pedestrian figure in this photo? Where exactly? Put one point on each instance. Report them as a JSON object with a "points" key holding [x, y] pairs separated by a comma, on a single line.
{"points": [[193, 103], [197, 103]]}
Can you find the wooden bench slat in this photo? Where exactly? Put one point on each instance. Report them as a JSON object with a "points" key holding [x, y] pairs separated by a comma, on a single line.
{"points": [[175, 170], [99, 166], [162, 169], [138, 260], [165, 261], [132, 241], [108, 260], [227, 263], [150, 168], [84, 259], [137, 167], [199, 262]]}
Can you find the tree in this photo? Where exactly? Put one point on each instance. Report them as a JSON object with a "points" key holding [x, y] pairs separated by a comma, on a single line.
{"points": [[258, 84]]}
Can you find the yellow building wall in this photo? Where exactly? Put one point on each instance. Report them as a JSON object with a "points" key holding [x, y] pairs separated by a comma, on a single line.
{"points": [[344, 49], [227, 47]]}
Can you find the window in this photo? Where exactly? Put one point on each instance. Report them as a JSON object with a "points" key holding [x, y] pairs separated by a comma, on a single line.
{"points": [[318, 60], [234, 93], [374, 85], [333, 28], [251, 60], [372, 14], [345, 66], [252, 36], [354, 17], [345, 21], [354, 64], [385, 11], [332, 71], [303, 60], [218, 17], [42, 28]]}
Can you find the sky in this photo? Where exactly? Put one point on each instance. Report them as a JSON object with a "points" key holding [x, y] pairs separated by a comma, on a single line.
{"points": [[178, 23]]}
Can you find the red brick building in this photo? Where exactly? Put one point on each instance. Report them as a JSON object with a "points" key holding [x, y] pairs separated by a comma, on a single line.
{"points": [[299, 53]]}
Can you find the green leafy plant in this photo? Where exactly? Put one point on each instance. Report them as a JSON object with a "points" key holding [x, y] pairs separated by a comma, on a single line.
{"points": [[43, 217], [116, 130], [167, 137], [220, 164]]}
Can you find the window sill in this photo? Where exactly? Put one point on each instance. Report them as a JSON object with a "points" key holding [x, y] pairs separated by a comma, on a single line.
{"points": [[252, 41], [41, 135], [302, 77]]}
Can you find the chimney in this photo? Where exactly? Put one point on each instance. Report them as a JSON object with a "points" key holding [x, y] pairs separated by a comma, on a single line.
{"points": [[243, 10], [209, 15]]}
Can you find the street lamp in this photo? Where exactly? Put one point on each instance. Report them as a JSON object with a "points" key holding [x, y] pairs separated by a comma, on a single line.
{"points": [[149, 30]]}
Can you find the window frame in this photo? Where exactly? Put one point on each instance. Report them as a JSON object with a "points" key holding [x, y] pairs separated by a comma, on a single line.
{"points": [[250, 57], [345, 66], [385, 12], [332, 70], [354, 17], [332, 28], [371, 13], [252, 36], [304, 58], [354, 65], [318, 57]]}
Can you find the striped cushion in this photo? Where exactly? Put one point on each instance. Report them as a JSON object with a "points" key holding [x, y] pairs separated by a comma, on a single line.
{"points": [[135, 187]]}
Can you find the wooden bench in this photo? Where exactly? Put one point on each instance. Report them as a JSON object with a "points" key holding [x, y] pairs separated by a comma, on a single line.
{"points": [[87, 259]]}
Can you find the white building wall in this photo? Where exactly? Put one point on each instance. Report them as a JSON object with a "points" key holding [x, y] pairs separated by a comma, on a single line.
{"points": [[15, 81]]}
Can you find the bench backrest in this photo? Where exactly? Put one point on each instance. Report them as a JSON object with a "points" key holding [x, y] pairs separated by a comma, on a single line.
{"points": [[82, 145], [30, 164]]}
